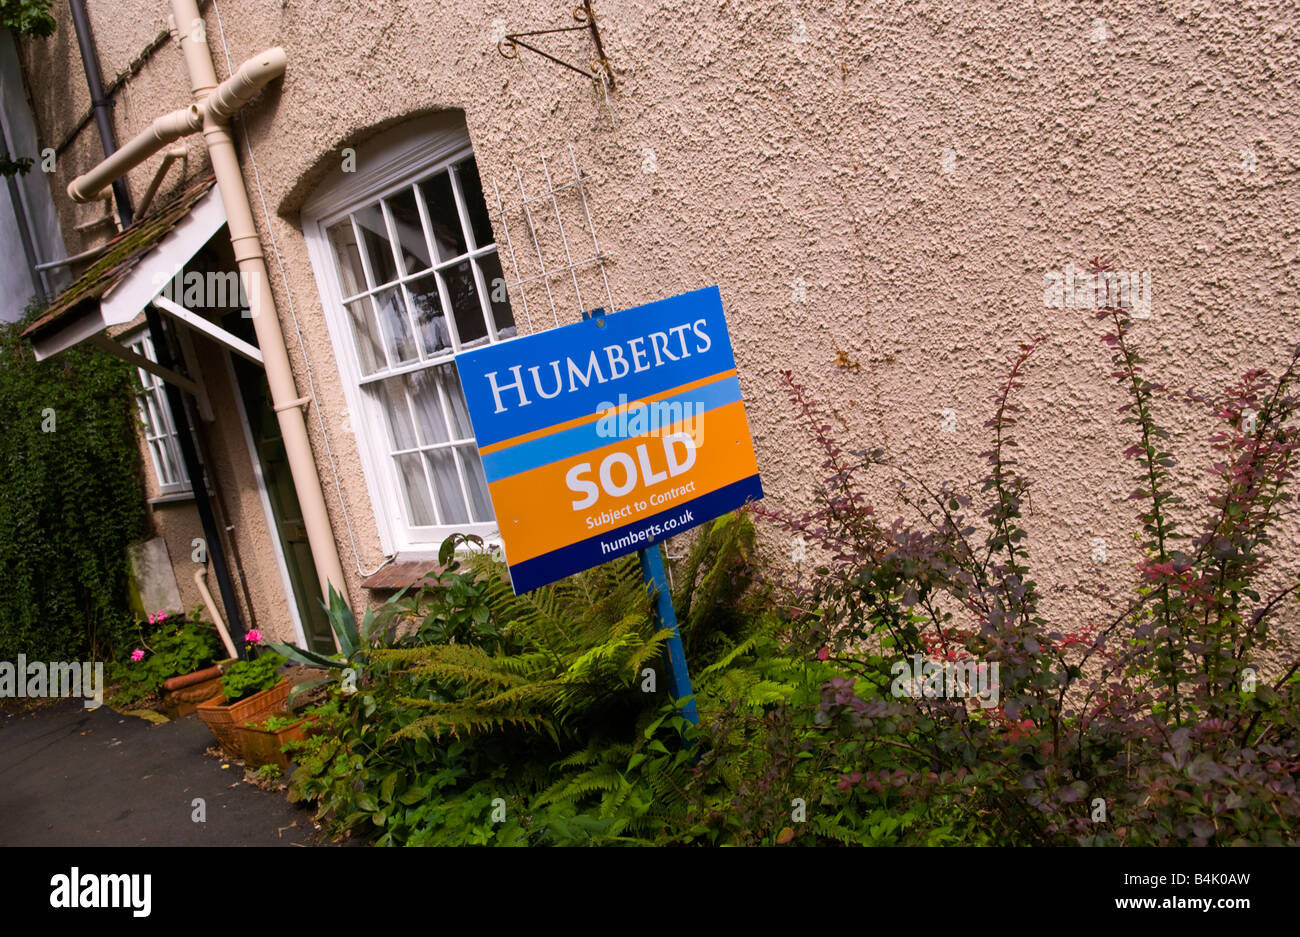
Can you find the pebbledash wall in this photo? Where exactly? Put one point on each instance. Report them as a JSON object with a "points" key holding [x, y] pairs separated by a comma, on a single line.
{"points": [[882, 192]]}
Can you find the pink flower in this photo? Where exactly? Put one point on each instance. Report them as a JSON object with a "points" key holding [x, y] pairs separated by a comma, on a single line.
{"points": [[253, 637], [824, 653], [137, 655]]}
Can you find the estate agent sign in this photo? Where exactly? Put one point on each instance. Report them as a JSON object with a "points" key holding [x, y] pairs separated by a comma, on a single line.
{"points": [[603, 437]]}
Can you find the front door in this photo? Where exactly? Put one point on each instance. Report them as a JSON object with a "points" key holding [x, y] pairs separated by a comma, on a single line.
{"points": [[271, 455]]}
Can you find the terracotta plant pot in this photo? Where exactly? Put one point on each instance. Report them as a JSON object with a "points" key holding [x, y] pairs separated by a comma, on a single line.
{"points": [[263, 747], [182, 695], [224, 720]]}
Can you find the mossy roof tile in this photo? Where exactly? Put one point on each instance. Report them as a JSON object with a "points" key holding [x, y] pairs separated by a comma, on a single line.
{"points": [[121, 256]]}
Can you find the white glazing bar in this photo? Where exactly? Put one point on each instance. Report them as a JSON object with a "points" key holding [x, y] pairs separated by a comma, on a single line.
{"points": [[424, 463], [369, 298], [455, 454], [450, 444], [485, 310], [399, 264], [448, 314], [432, 246], [408, 368]]}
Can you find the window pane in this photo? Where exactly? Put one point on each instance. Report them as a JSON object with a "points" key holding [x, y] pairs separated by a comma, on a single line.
{"points": [[410, 232], [463, 296], [155, 423], [370, 222], [442, 469], [444, 217], [370, 349], [397, 327], [456, 399], [498, 298], [172, 451], [471, 190], [435, 336], [351, 275], [415, 489], [428, 407], [153, 420], [160, 462], [400, 429], [476, 483]]}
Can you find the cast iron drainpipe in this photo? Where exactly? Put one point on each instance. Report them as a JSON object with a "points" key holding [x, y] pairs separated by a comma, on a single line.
{"points": [[158, 335], [102, 106]]}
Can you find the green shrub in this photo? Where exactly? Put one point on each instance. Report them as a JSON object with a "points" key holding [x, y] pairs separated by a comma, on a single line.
{"points": [[1152, 725], [273, 723], [510, 720], [505, 720], [243, 678], [27, 17]]}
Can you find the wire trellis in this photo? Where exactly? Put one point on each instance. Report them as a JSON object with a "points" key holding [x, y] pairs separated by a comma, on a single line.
{"points": [[544, 239]]}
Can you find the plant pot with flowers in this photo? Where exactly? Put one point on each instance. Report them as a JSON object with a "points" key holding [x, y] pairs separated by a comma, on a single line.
{"points": [[176, 663], [251, 691]]}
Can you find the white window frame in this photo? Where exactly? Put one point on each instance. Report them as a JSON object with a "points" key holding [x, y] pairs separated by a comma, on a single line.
{"points": [[413, 157], [158, 424]]}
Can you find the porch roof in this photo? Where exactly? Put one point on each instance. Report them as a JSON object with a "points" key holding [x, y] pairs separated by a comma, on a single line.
{"points": [[121, 281]]}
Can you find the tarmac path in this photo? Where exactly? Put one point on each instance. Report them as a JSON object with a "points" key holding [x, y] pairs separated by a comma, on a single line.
{"points": [[70, 776]]}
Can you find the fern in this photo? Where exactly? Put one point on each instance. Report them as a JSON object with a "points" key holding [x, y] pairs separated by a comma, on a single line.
{"points": [[536, 699], [573, 645]]}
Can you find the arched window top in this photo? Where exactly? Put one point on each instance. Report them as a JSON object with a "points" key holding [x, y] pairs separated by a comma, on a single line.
{"points": [[405, 257]]}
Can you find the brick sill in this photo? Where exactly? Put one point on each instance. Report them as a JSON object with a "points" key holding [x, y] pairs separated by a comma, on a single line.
{"points": [[404, 570]]}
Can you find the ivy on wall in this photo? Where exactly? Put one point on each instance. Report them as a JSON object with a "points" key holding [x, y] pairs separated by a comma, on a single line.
{"points": [[27, 17], [71, 499]]}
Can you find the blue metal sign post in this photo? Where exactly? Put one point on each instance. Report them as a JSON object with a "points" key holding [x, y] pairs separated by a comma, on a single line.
{"points": [[665, 616], [679, 678]]}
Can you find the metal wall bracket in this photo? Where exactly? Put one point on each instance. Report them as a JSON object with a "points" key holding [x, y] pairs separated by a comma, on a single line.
{"points": [[599, 71]]}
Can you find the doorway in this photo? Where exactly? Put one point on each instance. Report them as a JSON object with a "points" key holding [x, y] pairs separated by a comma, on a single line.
{"points": [[264, 430]]}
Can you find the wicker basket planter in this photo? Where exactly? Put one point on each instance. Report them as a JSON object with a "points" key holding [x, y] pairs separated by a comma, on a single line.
{"points": [[225, 720], [263, 747]]}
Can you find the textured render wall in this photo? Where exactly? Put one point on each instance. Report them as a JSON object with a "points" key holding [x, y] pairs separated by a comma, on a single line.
{"points": [[888, 184]]}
